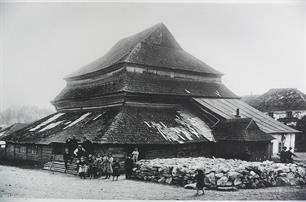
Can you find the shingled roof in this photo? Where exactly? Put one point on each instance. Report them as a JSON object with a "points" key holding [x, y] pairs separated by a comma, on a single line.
{"points": [[11, 129], [226, 110], [240, 129], [154, 46], [127, 125], [279, 99], [145, 84]]}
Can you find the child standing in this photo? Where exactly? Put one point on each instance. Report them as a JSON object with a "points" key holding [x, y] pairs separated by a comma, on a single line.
{"points": [[116, 167], [135, 155], [82, 168], [200, 181]]}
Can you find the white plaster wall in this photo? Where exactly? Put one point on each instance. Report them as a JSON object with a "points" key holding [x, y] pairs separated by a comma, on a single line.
{"points": [[288, 142]]}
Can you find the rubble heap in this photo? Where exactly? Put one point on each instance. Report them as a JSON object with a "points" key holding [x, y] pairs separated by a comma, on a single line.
{"points": [[221, 174]]}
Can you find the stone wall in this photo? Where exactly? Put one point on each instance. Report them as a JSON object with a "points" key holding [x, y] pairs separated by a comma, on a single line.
{"points": [[220, 173]]}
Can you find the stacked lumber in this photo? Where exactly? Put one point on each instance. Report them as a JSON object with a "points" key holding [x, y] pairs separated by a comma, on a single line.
{"points": [[59, 166], [220, 174]]}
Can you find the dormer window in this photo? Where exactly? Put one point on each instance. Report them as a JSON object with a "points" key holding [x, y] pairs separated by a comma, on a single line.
{"points": [[289, 114]]}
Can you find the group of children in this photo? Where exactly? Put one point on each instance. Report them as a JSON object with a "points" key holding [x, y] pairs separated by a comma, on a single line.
{"points": [[97, 166], [94, 166]]}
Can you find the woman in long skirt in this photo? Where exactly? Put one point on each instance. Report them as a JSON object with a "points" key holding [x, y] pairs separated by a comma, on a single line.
{"points": [[108, 166]]}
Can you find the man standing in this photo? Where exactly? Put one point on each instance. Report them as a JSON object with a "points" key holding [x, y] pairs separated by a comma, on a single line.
{"points": [[87, 145], [128, 164], [66, 157]]}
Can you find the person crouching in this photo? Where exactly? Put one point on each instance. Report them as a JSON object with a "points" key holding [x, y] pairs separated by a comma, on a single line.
{"points": [[82, 168]]}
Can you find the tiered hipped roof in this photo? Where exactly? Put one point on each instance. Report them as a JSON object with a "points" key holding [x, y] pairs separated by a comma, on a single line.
{"points": [[154, 46], [145, 84]]}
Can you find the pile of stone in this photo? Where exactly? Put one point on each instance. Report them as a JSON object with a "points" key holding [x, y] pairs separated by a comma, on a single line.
{"points": [[220, 174]]}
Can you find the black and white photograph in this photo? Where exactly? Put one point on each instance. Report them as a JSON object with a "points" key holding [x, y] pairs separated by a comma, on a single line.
{"points": [[153, 100]]}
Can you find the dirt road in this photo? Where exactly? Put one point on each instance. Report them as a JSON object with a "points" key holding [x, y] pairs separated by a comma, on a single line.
{"points": [[28, 183]]}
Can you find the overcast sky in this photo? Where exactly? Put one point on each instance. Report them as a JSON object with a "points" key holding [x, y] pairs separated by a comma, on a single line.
{"points": [[257, 45]]}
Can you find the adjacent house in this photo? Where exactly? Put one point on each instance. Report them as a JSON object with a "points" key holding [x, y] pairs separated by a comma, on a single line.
{"points": [[287, 105]]}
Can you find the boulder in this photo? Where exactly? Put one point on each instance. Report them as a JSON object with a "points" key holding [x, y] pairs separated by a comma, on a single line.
{"points": [[219, 175], [191, 186], [237, 182], [168, 180], [222, 181], [210, 179], [282, 181], [294, 181], [232, 175], [227, 189], [301, 172], [161, 180]]}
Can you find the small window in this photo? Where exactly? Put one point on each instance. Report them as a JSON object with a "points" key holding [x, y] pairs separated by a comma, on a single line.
{"points": [[289, 114], [2, 144], [22, 149], [33, 150], [271, 114]]}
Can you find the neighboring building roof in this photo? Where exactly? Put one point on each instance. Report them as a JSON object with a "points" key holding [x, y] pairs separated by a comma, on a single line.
{"points": [[240, 129], [226, 108], [281, 99], [129, 125], [154, 46], [146, 84], [12, 128]]}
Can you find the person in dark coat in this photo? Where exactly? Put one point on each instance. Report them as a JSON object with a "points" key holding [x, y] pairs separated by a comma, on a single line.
{"points": [[200, 181], [283, 155], [116, 167], [68, 145], [73, 143], [289, 155], [87, 145], [92, 171], [128, 165], [246, 155], [66, 157]]}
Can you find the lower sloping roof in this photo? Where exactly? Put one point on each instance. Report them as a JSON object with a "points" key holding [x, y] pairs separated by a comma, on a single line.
{"points": [[12, 128], [240, 129], [127, 125], [226, 108]]}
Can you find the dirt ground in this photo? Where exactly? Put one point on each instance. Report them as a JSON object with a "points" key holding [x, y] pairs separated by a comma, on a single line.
{"points": [[34, 183]]}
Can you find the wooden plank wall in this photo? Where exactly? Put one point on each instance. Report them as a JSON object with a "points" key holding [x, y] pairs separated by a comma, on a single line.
{"points": [[173, 151], [260, 151], [27, 152]]}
